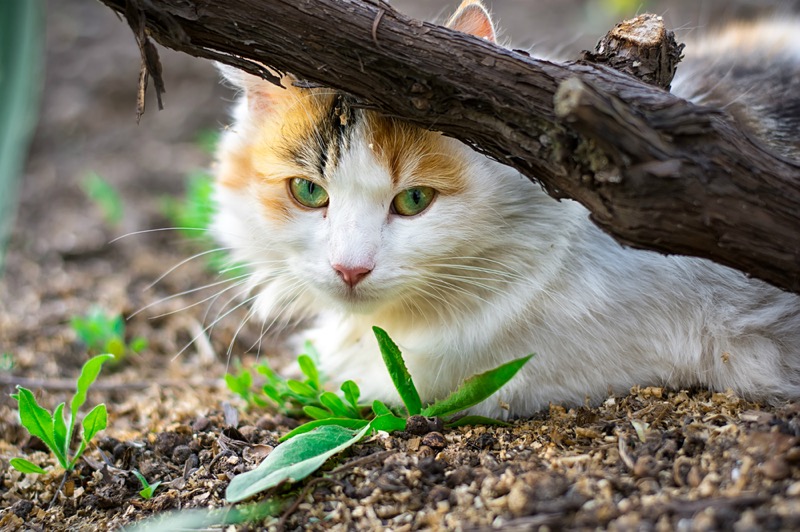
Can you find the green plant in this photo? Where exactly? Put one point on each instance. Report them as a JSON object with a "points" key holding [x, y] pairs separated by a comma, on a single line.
{"points": [[21, 79], [6, 362], [338, 427], [192, 216], [52, 429], [148, 489], [296, 397], [105, 196], [105, 333]]}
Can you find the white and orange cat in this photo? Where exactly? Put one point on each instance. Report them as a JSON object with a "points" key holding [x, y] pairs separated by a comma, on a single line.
{"points": [[355, 219]]}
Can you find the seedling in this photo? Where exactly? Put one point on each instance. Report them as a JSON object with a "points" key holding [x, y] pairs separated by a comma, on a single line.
{"points": [[105, 333], [105, 196], [52, 429], [297, 397], [307, 447], [148, 490]]}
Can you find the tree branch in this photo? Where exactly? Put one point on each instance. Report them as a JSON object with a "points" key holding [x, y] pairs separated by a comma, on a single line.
{"points": [[655, 171]]}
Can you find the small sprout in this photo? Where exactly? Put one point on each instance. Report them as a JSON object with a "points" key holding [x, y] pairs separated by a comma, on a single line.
{"points": [[52, 429], [105, 196], [105, 333], [338, 422], [6, 362], [148, 489]]}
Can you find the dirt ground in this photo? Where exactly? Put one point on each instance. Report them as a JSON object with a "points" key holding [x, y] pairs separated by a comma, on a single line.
{"points": [[653, 460]]}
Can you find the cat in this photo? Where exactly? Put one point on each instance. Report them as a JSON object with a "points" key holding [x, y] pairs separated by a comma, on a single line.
{"points": [[354, 219]]}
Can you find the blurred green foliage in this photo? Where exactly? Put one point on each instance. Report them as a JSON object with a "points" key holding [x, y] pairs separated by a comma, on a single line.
{"points": [[21, 47], [105, 196]]}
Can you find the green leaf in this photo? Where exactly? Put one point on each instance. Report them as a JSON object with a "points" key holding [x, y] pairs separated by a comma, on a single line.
{"points": [[211, 518], [338, 421], [351, 393], [39, 422], [271, 392], [317, 413], [239, 384], [60, 429], [149, 491], [388, 423], [475, 389], [477, 420], [116, 347], [312, 352], [105, 197], [379, 408], [95, 421], [293, 460], [89, 373], [332, 402], [24, 466], [138, 344], [301, 388], [398, 372], [309, 369]]}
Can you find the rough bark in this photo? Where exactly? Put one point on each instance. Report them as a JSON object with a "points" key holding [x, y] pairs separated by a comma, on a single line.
{"points": [[655, 171]]}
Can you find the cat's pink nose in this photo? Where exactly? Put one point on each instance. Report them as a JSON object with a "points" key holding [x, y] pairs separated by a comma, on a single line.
{"points": [[351, 276]]}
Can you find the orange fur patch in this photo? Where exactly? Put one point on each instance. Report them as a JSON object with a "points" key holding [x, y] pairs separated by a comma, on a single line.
{"points": [[414, 156]]}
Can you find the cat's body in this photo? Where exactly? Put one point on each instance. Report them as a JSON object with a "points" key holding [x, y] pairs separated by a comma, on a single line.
{"points": [[490, 270]]}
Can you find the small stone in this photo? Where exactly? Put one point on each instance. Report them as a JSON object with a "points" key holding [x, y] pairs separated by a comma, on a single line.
{"points": [[417, 425], [181, 453], [519, 499], [646, 466], [776, 468], [200, 424], [434, 440]]}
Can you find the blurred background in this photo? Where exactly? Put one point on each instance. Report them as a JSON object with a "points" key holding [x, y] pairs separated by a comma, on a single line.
{"points": [[92, 175]]}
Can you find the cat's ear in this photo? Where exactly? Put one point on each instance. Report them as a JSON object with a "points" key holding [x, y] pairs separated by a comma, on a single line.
{"points": [[262, 95], [471, 17]]}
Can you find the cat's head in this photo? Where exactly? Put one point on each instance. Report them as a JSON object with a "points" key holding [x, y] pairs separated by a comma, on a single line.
{"points": [[333, 205]]}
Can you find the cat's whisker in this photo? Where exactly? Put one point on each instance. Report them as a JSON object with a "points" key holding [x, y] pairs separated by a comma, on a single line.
{"points": [[212, 297], [183, 262], [211, 326], [158, 230], [187, 292]]}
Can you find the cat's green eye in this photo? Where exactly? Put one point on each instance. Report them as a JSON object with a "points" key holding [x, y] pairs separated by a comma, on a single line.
{"points": [[413, 200], [308, 193]]}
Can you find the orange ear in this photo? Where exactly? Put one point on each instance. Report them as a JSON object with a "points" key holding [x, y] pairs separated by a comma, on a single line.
{"points": [[471, 17]]}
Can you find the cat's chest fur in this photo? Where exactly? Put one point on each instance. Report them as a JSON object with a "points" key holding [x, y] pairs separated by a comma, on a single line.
{"points": [[353, 220]]}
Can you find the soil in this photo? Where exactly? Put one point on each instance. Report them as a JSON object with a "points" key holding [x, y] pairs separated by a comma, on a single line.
{"points": [[653, 459]]}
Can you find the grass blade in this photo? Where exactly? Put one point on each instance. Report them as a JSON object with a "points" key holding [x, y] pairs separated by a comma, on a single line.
{"points": [[24, 466], [89, 372], [339, 421], [398, 372], [293, 460], [475, 389]]}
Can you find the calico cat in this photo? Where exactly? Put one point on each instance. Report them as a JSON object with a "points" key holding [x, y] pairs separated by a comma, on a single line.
{"points": [[357, 219]]}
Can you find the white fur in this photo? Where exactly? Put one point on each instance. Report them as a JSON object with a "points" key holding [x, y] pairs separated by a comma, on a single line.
{"points": [[499, 272]]}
